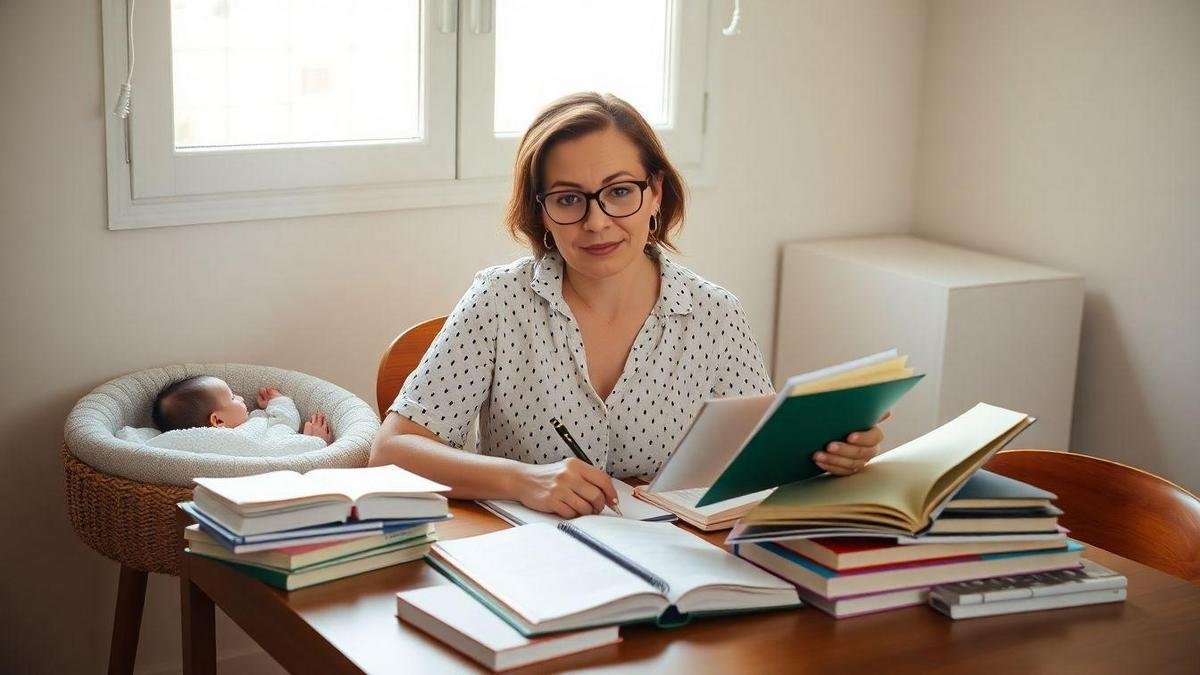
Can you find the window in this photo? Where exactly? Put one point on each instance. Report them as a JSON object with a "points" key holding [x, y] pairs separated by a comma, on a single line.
{"points": [[272, 73], [248, 109]]}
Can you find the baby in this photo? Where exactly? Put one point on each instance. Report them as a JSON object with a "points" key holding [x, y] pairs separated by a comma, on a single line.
{"points": [[202, 414]]}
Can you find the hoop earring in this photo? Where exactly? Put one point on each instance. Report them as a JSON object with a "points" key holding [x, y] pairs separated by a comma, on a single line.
{"points": [[654, 222], [547, 240]]}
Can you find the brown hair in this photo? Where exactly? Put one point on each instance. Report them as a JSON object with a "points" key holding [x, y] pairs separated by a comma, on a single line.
{"points": [[573, 116]]}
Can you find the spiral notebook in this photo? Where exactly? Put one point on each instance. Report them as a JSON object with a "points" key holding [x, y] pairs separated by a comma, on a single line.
{"points": [[596, 571]]}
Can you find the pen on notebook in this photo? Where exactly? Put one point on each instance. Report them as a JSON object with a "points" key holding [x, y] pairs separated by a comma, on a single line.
{"points": [[578, 452]]}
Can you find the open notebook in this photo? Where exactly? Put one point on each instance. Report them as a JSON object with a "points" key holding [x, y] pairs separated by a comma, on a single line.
{"points": [[596, 571]]}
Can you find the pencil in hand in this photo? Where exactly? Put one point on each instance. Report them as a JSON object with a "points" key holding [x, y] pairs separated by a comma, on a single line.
{"points": [[578, 452]]}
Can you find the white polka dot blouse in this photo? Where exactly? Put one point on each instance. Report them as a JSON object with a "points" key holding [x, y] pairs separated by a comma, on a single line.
{"points": [[511, 355]]}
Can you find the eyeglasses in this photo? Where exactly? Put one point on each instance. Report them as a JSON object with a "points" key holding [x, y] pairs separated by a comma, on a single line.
{"points": [[618, 200]]}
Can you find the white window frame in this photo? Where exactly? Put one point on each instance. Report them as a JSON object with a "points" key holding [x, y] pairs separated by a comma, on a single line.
{"points": [[152, 185], [492, 155]]}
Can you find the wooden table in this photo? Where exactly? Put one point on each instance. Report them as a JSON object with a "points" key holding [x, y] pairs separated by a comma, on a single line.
{"points": [[349, 626]]}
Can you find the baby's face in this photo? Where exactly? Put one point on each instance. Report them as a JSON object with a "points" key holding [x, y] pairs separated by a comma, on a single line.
{"points": [[230, 409]]}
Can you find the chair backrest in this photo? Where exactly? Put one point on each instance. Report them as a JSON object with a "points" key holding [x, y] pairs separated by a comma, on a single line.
{"points": [[401, 358], [1121, 509]]}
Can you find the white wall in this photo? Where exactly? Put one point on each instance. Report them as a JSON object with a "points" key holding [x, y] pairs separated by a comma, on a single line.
{"points": [[1067, 132], [817, 132]]}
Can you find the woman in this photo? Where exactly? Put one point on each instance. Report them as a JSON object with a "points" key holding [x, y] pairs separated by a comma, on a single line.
{"points": [[597, 329]]}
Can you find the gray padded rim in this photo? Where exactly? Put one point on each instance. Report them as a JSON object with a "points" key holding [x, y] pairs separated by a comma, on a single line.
{"points": [[90, 428]]}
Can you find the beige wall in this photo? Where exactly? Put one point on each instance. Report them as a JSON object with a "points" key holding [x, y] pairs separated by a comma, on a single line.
{"points": [[817, 132], [1067, 132]]}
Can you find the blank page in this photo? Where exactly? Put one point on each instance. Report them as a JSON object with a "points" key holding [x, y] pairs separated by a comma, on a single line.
{"points": [[715, 436], [544, 574], [685, 561], [270, 488], [377, 480], [633, 508]]}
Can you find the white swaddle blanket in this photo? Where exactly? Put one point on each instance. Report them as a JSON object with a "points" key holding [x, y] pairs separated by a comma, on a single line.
{"points": [[272, 432]]}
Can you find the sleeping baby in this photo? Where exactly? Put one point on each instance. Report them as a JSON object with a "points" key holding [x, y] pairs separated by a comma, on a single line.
{"points": [[202, 414]]}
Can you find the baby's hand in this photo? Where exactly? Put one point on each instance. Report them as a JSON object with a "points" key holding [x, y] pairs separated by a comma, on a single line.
{"points": [[318, 426], [266, 394]]}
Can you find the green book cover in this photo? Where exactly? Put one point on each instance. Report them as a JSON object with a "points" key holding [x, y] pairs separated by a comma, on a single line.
{"points": [[781, 450], [347, 565], [271, 577]]}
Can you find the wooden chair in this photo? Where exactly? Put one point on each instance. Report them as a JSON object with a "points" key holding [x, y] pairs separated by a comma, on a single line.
{"points": [[401, 358], [1121, 509]]}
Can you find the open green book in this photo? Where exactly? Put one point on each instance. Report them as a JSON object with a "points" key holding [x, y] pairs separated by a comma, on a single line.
{"points": [[901, 491], [596, 571], [768, 441]]}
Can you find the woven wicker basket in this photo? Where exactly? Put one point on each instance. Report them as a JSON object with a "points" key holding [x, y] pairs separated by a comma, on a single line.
{"points": [[131, 522]]}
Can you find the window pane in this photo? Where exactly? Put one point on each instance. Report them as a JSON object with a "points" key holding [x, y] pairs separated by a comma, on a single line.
{"points": [[548, 48], [257, 72]]}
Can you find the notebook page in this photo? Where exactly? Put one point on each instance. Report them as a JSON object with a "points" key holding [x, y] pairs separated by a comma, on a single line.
{"points": [[382, 480], [633, 508], [269, 488], [685, 561], [544, 574]]}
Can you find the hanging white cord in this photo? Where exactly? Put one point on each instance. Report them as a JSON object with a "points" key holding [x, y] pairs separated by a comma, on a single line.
{"points": [[122, 108], [732, 28]]}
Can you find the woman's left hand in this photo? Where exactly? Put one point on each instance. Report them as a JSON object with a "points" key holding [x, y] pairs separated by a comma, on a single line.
{"points": [[851, 455]]}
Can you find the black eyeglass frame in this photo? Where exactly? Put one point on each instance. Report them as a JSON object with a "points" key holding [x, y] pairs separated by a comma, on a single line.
{"points": [[589, 197]]}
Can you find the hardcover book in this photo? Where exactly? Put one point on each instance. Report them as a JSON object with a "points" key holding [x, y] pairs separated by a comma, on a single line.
{"points": [[899, 492], [596, 571]]}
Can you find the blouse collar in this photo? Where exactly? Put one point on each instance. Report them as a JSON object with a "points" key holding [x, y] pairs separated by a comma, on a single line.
{"points": [[674, 295]]}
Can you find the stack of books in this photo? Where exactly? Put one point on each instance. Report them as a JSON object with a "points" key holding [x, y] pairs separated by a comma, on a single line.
{"points": [[293, 530], [449, 614], [634, 570], [861, 576], [921, 515], [1090, 584], [541, 590]]}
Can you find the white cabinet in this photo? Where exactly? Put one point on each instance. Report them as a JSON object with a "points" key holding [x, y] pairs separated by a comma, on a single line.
{"points": [[981, 327]]}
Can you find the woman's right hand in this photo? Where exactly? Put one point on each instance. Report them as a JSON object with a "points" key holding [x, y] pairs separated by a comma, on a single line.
{"points": [[568, 488]]}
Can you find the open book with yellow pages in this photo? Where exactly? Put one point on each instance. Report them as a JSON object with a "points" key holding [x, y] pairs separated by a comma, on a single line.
{"points": [[899, 492]]}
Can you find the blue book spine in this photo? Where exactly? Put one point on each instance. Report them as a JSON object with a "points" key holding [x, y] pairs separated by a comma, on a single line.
{"points": [[230, 539]]}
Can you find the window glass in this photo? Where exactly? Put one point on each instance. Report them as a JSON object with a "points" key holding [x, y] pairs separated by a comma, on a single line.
{"points": [[548, 48], [263, 72]]}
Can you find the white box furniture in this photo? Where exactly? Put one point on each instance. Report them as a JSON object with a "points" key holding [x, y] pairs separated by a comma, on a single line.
{"points": [[981, 327]]}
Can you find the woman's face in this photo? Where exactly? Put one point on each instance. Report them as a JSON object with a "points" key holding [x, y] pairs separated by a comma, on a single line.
{"points": [[600, 245]]}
